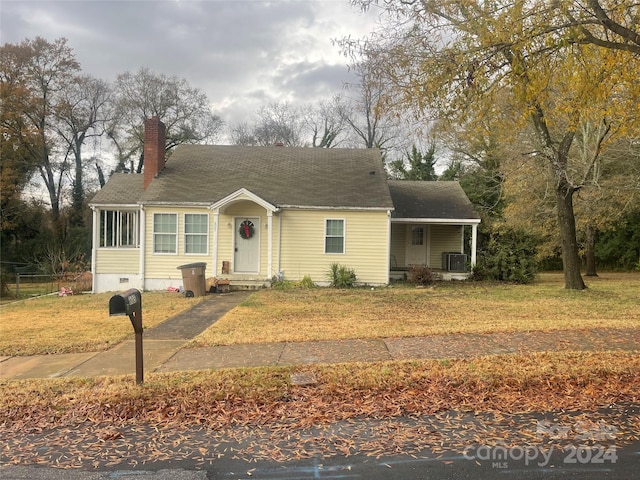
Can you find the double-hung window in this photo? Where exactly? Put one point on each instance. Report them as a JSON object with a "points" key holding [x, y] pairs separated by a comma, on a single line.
{"points": [[196, 233], [165, 233], [334, 236]]}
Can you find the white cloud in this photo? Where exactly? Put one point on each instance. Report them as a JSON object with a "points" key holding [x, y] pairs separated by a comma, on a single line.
{"points": [[243, 54]]}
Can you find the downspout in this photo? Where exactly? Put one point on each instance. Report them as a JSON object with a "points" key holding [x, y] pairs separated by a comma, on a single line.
{"points": [[214, 254], [270, 243], [94, 246], [388, 247], [428, 245], [280, 243], [143, 230]]}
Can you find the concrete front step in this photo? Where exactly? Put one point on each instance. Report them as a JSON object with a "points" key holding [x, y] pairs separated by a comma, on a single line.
{"points": [[238, 285]]}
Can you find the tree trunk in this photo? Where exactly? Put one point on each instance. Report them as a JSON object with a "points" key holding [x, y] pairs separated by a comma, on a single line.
{"points": [[590, 251], [101, 179], [77, 217], [567, 223]]}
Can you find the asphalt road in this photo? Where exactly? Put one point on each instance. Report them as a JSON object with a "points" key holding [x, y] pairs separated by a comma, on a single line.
{"points": [[618, 462], [559, 465]]}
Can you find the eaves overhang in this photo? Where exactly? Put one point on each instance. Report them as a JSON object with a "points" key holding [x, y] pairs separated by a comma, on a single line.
{"points": [[334, 207], [441, 221]]}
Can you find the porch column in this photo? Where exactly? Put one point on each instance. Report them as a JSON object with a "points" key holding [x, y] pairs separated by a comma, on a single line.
{"points": [[142, 246], [214, 253], [94, 246], [269, 243], [474, 243]]}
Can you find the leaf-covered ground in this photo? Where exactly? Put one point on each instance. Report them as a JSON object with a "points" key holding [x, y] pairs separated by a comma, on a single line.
{"points": [[373, 409]]}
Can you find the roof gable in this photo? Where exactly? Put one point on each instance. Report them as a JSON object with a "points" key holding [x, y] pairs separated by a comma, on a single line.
{"points": [[242, 194]]}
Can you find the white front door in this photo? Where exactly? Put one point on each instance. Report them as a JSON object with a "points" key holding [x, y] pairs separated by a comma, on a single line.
{"points": [[247, 245], [416, 248]]}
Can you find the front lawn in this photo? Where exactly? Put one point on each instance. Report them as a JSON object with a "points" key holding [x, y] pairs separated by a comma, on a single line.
{"points": [[78, 323], [82, 324], [612, 301]]}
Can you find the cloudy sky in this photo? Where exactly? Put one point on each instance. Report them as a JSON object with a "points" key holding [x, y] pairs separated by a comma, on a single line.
{"points": [[242, 53]]}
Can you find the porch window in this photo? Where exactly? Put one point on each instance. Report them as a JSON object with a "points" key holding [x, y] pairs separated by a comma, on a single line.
{"points": [[417, 235], [334, 236], [165, 233], [196, 233], [119, 229]]}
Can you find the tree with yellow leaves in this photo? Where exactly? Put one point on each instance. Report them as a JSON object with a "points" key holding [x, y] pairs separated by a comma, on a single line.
{"points": [[543, 67]]}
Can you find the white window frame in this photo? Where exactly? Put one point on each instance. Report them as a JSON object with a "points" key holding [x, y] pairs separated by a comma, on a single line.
{"points": [[119, 236], [205, 234], [155, 234], [343, 236], [421, 235]]}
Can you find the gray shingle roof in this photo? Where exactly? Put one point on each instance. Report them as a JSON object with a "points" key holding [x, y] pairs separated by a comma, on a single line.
{"points": [[121, 189], [308, 177], [441, 200]]}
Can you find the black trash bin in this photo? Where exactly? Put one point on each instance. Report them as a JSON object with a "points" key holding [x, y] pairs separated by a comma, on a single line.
{"points": [[193, 278]]}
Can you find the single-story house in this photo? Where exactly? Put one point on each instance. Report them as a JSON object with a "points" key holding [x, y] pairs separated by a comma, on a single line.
{"points": [[255, 213]]}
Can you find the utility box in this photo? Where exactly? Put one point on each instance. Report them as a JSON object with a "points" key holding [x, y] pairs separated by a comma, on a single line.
{"points": [[193, 278], [454, 262]]}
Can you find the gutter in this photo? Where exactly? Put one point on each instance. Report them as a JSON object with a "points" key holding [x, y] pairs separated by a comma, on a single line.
{"points": [[307, 207], [443, 221]]}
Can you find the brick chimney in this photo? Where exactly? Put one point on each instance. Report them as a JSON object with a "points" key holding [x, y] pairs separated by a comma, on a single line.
{"points": [[154, 142]]}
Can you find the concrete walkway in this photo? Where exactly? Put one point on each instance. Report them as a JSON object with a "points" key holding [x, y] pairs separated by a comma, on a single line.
{"points": [[164, 352]]}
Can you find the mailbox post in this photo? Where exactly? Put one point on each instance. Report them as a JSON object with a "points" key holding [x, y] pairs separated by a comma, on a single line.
{"points": [[130, 303]]}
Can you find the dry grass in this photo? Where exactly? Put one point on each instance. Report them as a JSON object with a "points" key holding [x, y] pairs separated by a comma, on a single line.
{"points": [[321, 314], [78, 323], [81, 323]]}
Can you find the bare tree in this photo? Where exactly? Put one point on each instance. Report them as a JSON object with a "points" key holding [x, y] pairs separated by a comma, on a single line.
{"points": [[81, 112], [367, 114], [243, 134], [276, 123], [185, 110], [326, 122]]}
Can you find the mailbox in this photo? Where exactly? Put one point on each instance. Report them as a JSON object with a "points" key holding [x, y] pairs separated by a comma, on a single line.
{"points": [[130, 303]]}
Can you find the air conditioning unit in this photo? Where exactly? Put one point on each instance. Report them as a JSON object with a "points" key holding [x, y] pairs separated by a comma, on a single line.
{"points": [[454, 262]]}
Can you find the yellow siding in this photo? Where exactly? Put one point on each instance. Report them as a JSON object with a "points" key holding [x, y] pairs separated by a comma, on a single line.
{"points": [[444, 238], [303, 238], [303, 243], [118, 260], [165, 265]]}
